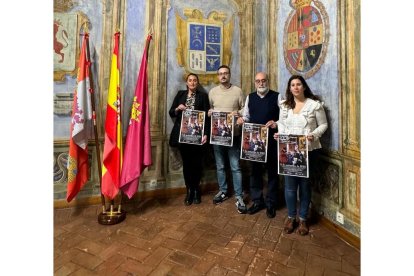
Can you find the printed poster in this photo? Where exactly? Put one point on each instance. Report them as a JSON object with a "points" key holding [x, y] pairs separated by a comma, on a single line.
{"points": [[293, 155], [222, 128], [192, 127], [254, 142]]}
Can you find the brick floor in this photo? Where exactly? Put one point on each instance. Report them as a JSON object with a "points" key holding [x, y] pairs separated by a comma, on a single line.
{"points": [[164, 237]]}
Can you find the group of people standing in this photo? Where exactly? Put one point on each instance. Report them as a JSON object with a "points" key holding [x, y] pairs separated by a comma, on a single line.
{"points": [[296, 158], [301, 112]]}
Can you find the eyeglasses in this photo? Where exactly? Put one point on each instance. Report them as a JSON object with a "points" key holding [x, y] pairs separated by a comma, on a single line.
{"points": [[224, 73], [260, 81]]}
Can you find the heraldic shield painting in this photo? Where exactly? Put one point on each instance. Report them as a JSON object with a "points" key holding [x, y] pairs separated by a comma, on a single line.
{"points": [[305, 37], [204, 47], [203, 43]]}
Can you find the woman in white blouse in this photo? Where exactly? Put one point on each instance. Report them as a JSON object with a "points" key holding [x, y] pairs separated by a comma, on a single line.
{"points": [[301, 113]]}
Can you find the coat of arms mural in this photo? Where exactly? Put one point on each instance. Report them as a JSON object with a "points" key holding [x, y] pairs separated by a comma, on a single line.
{"points": [[306, 37], [203, 43]]}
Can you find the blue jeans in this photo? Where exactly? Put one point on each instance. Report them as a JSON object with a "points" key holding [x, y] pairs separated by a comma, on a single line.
{"points": [[293, 183], [233, 154]]}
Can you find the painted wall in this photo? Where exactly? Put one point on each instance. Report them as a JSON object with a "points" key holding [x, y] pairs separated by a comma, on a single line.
{"points": [[261, 20], [135, 36], [93, 11], [175, 73], [325, 83]]}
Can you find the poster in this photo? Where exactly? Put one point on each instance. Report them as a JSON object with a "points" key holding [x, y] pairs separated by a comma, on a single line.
{"points": [[192, 127], [293, 155], [222, 128], [254, 142]]}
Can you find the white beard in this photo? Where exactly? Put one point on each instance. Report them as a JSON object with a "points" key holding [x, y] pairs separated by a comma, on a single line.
{"points": [[262, 90]]}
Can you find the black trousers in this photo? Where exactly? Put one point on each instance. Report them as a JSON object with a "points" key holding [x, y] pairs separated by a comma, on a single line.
{"points": [[256, 178], [192, 156]]}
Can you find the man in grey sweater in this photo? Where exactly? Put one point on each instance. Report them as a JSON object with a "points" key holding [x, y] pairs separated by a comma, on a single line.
{"points": [[227, 97]]}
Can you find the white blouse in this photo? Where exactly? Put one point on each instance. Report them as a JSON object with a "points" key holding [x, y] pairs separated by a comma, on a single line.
{"points": [[310, 120]]}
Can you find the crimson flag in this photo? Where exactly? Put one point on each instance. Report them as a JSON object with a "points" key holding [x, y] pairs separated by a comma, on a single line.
{"points": [[137, 154]]}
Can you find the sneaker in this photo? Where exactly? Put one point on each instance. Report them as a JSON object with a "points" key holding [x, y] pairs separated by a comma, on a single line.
{"points": [[220, 197], [290, 224], [303, 228], [241, 207]]}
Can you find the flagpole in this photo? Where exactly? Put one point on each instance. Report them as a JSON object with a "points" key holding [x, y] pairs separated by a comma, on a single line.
{"points": [[147, 42], [118, 215], [95, 129], [119, 209]]}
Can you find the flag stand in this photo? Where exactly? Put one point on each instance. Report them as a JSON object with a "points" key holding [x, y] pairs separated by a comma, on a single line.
{"points": [[107, 216], [111, 216]]}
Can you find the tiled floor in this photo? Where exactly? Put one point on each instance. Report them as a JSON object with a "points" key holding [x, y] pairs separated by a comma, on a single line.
{"points": [[164, 237]]}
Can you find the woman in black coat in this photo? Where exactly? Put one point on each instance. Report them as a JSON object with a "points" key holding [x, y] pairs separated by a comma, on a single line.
{"points": [[192, 155]]}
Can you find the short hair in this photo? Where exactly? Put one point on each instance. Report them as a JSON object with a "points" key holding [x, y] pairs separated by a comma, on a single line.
{"points": [[224, 66]]}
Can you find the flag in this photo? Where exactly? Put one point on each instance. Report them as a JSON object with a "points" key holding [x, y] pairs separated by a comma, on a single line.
{"points": [[112, 154], [81, 128], [138, 140]]}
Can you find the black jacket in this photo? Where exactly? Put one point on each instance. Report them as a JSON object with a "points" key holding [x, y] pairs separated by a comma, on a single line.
{"points": [[201, 103]]}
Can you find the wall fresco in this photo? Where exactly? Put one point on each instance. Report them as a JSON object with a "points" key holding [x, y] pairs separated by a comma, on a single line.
{"points": [[325, 81]]}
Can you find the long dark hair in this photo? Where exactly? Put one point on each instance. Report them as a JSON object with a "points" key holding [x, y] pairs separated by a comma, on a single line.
{"points": [[290, 100]]}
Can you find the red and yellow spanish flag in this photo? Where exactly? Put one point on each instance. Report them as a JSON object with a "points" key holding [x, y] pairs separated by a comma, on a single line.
{"points": [[138, 140], [112, 154], [81, 128]]}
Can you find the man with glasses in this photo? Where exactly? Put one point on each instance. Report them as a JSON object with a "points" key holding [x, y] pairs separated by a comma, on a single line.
{"points": [[227, 97], [262, 107]]}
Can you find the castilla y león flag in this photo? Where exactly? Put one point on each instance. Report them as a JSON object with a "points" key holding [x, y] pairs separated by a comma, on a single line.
{"points": [[81, 128], [112, 154], [138, 141]]}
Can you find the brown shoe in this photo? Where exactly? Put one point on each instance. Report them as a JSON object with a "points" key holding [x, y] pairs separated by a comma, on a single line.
{"points": [[290, 224], [303, 228]]}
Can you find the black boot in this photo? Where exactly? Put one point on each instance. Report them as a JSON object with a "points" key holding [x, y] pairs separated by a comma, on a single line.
{"points": [[197, 196], [189, 197]]}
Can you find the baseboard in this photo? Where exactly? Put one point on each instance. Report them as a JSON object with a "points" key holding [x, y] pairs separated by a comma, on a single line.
{"points": [[341, 232], [162, 193]]}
